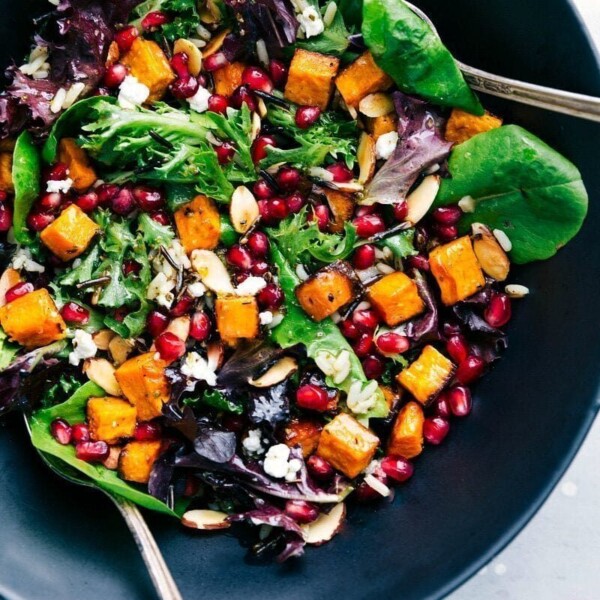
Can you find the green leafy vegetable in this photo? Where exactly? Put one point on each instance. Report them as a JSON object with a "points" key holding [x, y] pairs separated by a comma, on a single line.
{"points": [[153, 233], [61, 390], [408, 50], [521, 186], [26, 174], [229, 236], [401, 244], [8, 350], [352, 11], [84, 271], [333, 40], [183, 13], [178, 194], [218, 400]]}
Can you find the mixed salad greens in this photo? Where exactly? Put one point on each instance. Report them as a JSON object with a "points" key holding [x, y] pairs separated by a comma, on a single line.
{"points": [[255, 252]]}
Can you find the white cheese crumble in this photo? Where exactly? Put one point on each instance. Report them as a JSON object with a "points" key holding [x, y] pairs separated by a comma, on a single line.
{"points": [[59, 185], [277, 318], [467, 204], [199, 101], [310, 21], [278, 464], [252, 444], [132, 93], [265, 317], [251, 286], [385, 145], [360, 400], [335, 366], [83, 347], [196, 289], [177, 253], [199, 368], [160, 290], [22, 260]]}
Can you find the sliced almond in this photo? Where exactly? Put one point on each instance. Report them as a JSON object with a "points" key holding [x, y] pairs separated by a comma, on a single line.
{"points": [[366, 158], [210, 13], [325, 526], [180, 327], [376, 105], [492, 258], [243, 209], [194, 55], [113, 54], [9, 279], [120, 349], [281, 370], [215, 353], [112, 460], [102, 372], [256, 125], [205, 519], [215, 44], [261, 108], [351, 187], [212, 271], [420, 201], [102, 338]]}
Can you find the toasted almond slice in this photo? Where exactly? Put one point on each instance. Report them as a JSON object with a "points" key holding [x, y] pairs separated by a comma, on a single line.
{"points": [[376, 105], [281, 370], [212, 271], [120, 349], [420, 201], [215, 44], [112, 460], [210, 12], [180, 327], [113, 54], [194, 55], [9, 279], [366, 158], [351, 187], [243, 209], [215, 353], [325, 527], [256, 125], [261, 108], [490, 254], [205, 519], [101, 371], [102, 338]]}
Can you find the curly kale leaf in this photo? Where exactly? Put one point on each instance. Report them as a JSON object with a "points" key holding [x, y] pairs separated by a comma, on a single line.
{"points": [[183, 15]]}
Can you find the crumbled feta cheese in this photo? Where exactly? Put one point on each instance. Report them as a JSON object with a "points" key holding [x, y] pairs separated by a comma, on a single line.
{"points": [[335, 366], [276, 461], [251, 286], [360, 400], [277, 318], [310, 21], [385, 145], [199, 368], [467, 204], [252, 443], [83, 347], [22, 260], [132, 93], [199, 101], [60, 185], [265, 317], [196, 289], [293, 467], [160, 290]]}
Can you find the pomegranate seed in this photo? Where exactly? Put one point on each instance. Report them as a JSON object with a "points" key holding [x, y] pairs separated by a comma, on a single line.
{"points": [[442, 407], [447, 215], [341, 173], [148, 198], [120, 314], [259, 147], [169, 346], [218, 104], [57, 172], [179, 64], [312, 397], [401, 210], [278, 72], [124, 202], [156, 323], [392, 343], [50, 201], [91, 451], [264, 208], [499, 310], [125, 37], [243, 95], [147, 431], [470, 369], [131, 267], [38, 221], [349, 329], [3, 196], [365, 493], [215, 61], [239, 257], [301, 511], [200, 326], [373, 367], [368, 225], [446, 233], [288, 178], [260, 268], [6, 218], [106, 192], [451, 329], [365, 210], [294, 202], [397, 468], [225, 153], [88, 202], [321, 215], [74, 313], [17, 291], [278, 209], [364, 257], [81, 433], [154, 19], [114, 75], [184, 87], [457, 348], [259, 244], [270, 297], [364, 345], [418, 261], [183, 306], [160, 216], [307, 116], [435, 430], [319, 468], [61, 431], [263, 190], [366, 320], [256, 79], [459, 400]]}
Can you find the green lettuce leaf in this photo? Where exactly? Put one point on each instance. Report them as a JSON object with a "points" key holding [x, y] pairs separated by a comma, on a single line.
{"points": [[26, 174]]}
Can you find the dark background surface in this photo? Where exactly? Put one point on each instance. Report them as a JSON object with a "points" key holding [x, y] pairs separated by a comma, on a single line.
{"points": [[469, 497]]}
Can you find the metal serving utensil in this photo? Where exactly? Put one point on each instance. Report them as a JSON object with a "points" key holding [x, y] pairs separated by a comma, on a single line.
{"points": [[569, 103], [163, 581]]}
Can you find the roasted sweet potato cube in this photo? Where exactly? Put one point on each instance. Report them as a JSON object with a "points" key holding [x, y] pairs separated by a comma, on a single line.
{"points": [[426, 377], [361, 78], [110, 419], [310, 78], [328, 289], [304, 433], [70, 234], [407, 434], [347, 445], [136, 460], [342, 208], [462, 126], [377, 126], [237, 318], [6, 180], [396, 298], [392, 397], [77, 160], [229, 78], [456, 270], [148, 63], [33, 320], [198, 224], [144, 384]]}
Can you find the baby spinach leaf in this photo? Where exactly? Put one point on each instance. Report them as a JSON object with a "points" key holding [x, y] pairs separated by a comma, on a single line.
{"points": [[333, 40], [26, 173], [410, 52], [521, 186], [401, 244]]}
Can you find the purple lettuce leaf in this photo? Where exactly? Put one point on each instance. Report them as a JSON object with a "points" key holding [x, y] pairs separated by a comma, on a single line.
{"points": [[214, 444], [425, 327], [248, 361]]}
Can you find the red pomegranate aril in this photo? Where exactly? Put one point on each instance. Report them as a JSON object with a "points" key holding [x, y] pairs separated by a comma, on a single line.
{"points": [[401, 210], [239, 257], [364, 257], [264, 208], [470, 369], [435, 430], [294, 202], [262, 190], [349, 329], [366, 320], [225, 153], [184, 87], [235, 423], [365, 493], [446, 233], [243, 95], [361, 211], [442, 407], [120, 314], [368, 225], [288, 178], [154, 19], [17, 291], [341, 173], [270, 297], [74, 313], [306, 116], [373, 367], [312, 397], [61, 431], [91, 451], [124, 202], [450, 329], [319, 468], [88, 202], [418, 261], [278, 209], [321, 215], [6, 218], [364, 345], [447, 215], [106, 192], [161, 217], [131, 267], [147, 431], [183, 306], [156, 323], [179, 64], [169, 346], [148, 198], [215, 61], [256, 79], [200, 326], [50, 201], [397, 468], [125, 37], [57, 172], [38, 220], [301, 511], [392, 343], [259, 147], [499, 310], [278, 72], [457, 348], [114, 75], [260, 268], [218, 104], [259, 244], [3, 196], [81, 433], [459, 400]]}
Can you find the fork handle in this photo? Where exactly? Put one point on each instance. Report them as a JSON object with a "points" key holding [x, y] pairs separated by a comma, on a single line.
{"points": [[163, 581], [576, 105]]}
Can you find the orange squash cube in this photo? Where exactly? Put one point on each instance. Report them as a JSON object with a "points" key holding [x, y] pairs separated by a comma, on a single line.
{"points": [[377, 126], [6, 180], [198, 224], [77, 160], [110, 419], [396, 298], [456, 270], [462, 126], [137, 459], [70, 234], [144, 383], [361, 78], [347, 445], [426, 377], [342, 208], [304, 433], [237, 318], [229, 78], [310, 78], [406, 439]]}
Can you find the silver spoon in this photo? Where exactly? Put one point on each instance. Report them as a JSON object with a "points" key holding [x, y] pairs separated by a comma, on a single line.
{"points": [[163, 581], [576, 105]]}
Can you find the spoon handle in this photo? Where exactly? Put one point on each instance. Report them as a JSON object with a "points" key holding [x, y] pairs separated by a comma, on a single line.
{"points": [[576, 105], [163, 581]]}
